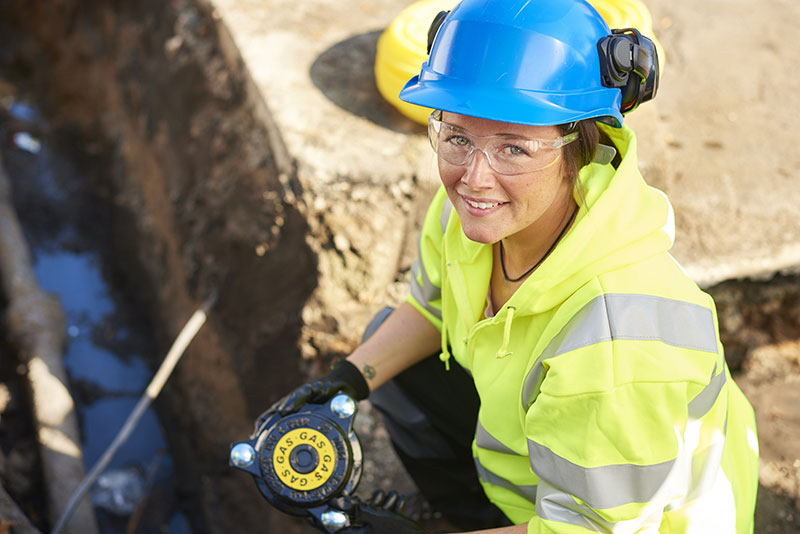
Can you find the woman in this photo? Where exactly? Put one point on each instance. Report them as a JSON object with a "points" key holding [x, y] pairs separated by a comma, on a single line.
{"points": [[584, 362]]}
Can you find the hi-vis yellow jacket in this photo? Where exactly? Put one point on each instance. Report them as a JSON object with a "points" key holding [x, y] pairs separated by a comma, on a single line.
{"points": [[606, 403]]}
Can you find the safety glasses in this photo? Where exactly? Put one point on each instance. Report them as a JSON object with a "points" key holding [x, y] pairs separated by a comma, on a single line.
{"points": [[507, 154]]}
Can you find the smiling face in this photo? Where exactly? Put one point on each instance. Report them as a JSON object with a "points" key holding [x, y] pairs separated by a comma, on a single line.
{"points": [[493, 206]]}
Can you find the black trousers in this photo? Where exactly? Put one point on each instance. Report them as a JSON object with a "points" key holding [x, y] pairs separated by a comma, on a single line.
{"points": [[430, 415]]}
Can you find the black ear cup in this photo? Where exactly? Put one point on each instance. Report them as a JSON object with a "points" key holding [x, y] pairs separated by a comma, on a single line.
{"points": [[629, 62], [434, 28]]}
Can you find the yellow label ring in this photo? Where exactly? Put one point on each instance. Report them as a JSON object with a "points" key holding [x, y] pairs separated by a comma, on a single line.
{"points": [[304, 459]]}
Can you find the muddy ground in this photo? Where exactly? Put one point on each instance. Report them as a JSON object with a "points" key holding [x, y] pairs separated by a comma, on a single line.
{"points": [[760, 329], [202, 200]]}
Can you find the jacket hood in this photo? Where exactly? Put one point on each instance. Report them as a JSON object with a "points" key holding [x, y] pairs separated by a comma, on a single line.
{"points": [[621, 220]]}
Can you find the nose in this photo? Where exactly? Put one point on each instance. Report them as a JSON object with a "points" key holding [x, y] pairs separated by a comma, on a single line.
{"points": [[477, 172]]}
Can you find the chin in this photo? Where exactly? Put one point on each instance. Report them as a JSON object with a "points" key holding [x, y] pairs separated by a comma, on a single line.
{"points": [[479, 235]]}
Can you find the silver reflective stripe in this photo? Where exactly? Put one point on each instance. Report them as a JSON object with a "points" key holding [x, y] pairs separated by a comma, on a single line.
{"points": [[704, 401], [606, 486], [621, 316], [526, 492], [427, 292], [484, 440], [447, 207], [554, 505]]}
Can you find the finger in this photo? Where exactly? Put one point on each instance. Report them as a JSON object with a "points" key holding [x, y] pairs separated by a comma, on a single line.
{"points": [[295, 400], [377, 499], [390, 502], [400, 506], [313, 392]]}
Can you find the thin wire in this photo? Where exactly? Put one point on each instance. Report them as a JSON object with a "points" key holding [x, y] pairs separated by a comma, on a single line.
{"points": [[172, 358]]}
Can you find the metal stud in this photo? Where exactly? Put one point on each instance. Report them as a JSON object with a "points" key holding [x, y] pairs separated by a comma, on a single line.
{"points": [[334, 520], [243, 455], [343, 406]]}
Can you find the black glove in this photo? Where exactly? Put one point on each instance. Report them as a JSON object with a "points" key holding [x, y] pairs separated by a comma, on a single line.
{"points": [[380, 515], [343, 376]]}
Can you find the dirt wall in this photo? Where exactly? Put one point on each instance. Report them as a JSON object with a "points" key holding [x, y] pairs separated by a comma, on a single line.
{"points": [[202, 203]]}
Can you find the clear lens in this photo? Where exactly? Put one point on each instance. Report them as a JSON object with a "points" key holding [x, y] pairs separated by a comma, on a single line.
{"points": [[506, 154]]}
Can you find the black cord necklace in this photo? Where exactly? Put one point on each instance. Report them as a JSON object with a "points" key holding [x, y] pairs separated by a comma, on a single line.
{"points": [[529, 271]]}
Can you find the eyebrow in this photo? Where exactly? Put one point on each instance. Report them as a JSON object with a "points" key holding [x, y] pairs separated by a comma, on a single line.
{"points": [[462, 129]]}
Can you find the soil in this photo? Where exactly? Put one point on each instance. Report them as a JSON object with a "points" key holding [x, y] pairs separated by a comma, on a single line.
{"points": [[760, 330], [133, 82]]}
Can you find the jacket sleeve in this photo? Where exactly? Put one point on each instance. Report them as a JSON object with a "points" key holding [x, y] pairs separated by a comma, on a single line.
{"points": [[622, 430], [426, 271]]}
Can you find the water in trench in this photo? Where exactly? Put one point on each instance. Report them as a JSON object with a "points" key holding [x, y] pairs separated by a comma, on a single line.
{"points": [[57, 181]]}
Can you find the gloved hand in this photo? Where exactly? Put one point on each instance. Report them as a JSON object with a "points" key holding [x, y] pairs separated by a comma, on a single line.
{"points": [[343, 376], [380, 515]]}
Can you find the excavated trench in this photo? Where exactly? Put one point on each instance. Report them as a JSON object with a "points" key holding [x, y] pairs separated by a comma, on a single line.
{"points": [[196, 199], [65, 229], [195, 195]]}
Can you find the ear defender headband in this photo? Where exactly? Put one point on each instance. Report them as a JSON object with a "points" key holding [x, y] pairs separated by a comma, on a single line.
{"points": [[628, 62], [434, 28]]}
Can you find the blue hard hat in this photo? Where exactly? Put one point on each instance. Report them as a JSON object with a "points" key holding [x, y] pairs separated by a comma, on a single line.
{"points": [[522, 61]]}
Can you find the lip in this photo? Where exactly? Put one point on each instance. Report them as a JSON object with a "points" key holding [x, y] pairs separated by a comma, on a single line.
{"points": [[477, 211]]}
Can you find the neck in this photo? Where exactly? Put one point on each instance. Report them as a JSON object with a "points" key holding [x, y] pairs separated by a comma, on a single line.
{"points": [[525, 250]]}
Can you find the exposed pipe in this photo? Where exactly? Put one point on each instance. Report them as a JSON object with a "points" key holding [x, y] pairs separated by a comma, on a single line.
{"points": [[35, 325]]}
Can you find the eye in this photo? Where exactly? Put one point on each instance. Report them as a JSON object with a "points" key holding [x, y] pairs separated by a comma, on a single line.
{"points": [[458, 140], [514, 150]]}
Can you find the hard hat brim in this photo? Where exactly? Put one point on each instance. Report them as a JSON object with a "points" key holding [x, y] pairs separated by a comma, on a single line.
{"points": [[535, 108]]}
